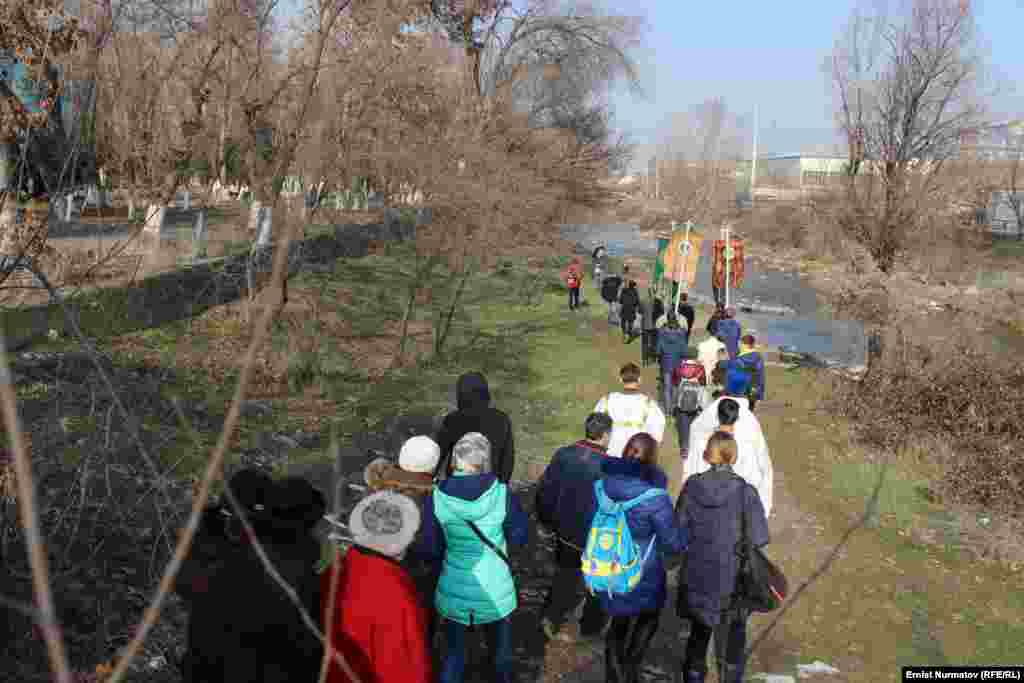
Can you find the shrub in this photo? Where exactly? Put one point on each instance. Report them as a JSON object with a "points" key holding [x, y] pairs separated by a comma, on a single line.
{"points": [[948, 391]]}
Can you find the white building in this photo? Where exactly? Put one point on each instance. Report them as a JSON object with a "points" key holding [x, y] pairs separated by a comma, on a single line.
{"points": [[797, 171]]}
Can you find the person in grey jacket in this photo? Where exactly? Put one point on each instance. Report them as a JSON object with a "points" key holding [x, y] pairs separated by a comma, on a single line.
{"points": [[711, 507]]}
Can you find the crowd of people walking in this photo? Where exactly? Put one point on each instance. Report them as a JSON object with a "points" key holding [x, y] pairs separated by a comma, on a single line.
{"points": [[430, 543]]}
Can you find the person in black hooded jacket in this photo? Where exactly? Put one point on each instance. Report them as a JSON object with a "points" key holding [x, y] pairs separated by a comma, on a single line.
{"points": [[476, 414], [242, 625]]}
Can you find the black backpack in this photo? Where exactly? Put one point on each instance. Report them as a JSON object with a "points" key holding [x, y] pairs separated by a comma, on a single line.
{"points": [[659, 309], [610, 288], [688, 396]]}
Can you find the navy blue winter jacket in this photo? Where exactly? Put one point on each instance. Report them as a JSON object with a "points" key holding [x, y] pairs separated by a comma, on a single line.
{"points": [[729, 330], [671, 348], [431, 543], [626, 479], [565, 496], [709, 508]]}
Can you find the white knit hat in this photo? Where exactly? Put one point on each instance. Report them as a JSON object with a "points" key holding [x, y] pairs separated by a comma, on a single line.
{"points": [[386, 522], [419, 454]]}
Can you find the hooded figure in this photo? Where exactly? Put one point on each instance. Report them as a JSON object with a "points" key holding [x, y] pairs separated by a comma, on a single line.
{"points": [[228, 639], [475, 414], [754, 463], [470, 520], [380, 624], [711, 506]]}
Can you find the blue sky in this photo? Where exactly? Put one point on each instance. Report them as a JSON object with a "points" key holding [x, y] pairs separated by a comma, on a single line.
{"points": [[770, 54]]}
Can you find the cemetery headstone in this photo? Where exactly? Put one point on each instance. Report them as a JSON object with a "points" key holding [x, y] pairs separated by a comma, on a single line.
{"points": [[254, 217], [186, 201], [424, 216], [375, 201], [92, 197], [156, 217], [199, 236], [67, 204], [265, 224]]}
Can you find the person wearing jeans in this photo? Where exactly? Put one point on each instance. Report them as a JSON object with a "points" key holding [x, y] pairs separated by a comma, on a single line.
{"points": [[672, 345], [470, 520], [498, 635], [565, 504]]}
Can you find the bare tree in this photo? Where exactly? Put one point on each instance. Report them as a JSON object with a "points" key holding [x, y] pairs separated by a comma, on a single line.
{"points": [[907, 86], [701, 148], [562, 58]]}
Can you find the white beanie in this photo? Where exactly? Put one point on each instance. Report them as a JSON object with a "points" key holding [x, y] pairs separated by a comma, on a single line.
{"points": [[419, 454], [386, 522]]}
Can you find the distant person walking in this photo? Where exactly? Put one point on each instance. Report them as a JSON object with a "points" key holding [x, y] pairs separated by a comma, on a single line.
{"points": [[686, 312], [565, 505], [631, 411], [716, 316], [572, 281], [611, 287], [672, 344], [600, 265], [630, 305], [710, 508], [730, 331], [707, 354], [692, 395], [751, 360]]}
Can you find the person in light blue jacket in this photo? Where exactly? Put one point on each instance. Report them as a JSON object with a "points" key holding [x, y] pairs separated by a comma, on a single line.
{"points": [[470, 520]]}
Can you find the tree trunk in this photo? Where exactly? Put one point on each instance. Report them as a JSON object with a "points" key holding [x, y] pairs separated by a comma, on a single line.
{"points": [[446, 327], [225, 121]]}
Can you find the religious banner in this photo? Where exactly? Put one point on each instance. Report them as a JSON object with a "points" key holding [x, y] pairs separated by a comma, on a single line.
{"points": [[659, 264], [735, 264], [688, 261], [681, 261]]}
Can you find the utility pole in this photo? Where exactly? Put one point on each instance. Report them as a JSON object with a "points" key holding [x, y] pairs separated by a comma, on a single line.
{"points": [[753, 159]]}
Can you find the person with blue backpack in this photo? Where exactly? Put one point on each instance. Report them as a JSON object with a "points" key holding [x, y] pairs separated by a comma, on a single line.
{"points": [[634, 524]]}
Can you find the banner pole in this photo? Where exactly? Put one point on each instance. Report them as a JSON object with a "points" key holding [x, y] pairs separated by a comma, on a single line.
{"points": [[728, 263], [685, 258]]}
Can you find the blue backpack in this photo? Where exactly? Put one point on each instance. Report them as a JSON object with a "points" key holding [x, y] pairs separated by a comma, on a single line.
{"points": [[612, 562]]}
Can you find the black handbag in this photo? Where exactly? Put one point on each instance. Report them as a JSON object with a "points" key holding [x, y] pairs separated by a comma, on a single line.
{"points": [[760, 584]]}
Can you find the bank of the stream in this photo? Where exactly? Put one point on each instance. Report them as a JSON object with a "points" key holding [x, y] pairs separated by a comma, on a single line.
{"points": [[906, 591]]}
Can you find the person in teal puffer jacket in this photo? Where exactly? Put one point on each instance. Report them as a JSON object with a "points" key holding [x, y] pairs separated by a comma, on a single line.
{"points": [[470, 520]]}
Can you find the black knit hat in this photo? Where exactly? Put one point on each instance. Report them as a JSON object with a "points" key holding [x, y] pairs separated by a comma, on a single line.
{"points": [[296, 501], [252, 488]]}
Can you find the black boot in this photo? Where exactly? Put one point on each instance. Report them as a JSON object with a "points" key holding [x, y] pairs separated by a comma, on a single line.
{"points": [[733, 674]]}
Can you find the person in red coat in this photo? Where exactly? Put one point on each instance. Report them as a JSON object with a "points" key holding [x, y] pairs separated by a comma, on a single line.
{"points": [[379, 624]]}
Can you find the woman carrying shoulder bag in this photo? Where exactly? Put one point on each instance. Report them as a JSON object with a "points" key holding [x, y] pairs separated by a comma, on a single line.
{"points": [[711, 507], [470, 520]]}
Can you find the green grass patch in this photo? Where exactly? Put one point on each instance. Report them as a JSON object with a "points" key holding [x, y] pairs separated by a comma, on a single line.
{"points": [[898, 498]]}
